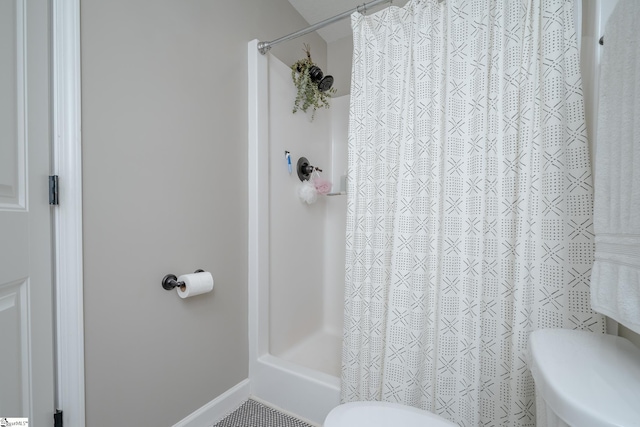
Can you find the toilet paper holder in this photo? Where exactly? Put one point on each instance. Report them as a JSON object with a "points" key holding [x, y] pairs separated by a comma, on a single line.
{"points": [[170, 281]]}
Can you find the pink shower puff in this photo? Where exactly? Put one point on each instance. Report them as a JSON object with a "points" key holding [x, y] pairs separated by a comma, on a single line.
{"points": [[322, 185]]}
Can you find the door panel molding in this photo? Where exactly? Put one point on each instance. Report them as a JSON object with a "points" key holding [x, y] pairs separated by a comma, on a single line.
{"points": [[14, 317], [13, 169]]}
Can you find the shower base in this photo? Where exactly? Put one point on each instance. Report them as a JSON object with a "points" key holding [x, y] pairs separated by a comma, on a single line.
{"points": [[305, 379], [321, 351]]}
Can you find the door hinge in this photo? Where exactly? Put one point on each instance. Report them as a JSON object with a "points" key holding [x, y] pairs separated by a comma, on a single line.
{"points": [[53, 189], [57, 418]]}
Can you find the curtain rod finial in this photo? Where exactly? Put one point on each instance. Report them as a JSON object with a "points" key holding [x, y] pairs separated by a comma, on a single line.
{"points": [[264, 47]]}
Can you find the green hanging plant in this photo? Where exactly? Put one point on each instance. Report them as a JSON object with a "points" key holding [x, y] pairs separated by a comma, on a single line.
{"points": [[314, 89]]}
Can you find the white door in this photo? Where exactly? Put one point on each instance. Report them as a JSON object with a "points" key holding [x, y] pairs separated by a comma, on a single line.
{"points": [[26, 297]]}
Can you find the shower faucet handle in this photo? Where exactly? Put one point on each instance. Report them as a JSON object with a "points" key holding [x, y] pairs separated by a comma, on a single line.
{"points": [[309, 169], [305, 169]]}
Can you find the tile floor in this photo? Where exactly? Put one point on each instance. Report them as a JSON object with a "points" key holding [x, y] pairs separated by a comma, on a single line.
{"points": [[255, 414]]}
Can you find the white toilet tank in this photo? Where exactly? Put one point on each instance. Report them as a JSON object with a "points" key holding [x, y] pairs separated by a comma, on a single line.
{"points": [[584, 379]]}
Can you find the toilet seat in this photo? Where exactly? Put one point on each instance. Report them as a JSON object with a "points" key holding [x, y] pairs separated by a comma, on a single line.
{"points": [[382, 414]]}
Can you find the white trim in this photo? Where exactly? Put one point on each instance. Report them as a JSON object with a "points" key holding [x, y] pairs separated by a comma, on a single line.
{"points": [[218, 408], [67, 217], [258, 192]]}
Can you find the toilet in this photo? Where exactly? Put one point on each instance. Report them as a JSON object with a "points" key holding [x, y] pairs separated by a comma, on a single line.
{"points": [[382, 414], [584, 379]]}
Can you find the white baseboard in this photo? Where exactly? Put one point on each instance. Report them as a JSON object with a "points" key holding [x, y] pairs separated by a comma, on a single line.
{"points": [[215, 410]]}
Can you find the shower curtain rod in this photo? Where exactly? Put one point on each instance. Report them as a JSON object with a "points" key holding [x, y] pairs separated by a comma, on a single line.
{"points": [[264, 47]]}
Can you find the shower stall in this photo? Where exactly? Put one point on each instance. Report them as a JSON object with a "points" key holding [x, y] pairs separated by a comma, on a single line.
{"points": [[296, 250]]}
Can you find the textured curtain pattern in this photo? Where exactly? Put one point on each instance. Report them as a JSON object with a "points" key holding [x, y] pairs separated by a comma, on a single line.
{"points": [[470, 204]]}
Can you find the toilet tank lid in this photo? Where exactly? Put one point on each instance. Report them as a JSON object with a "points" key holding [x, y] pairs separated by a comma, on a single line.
{"points": [[587, 379]]}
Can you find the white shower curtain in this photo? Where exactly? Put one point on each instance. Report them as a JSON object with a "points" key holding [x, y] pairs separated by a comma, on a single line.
{"points": [[470, 204]]}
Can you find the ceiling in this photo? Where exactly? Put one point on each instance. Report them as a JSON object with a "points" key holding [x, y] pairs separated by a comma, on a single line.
{"points": [[315, 11]]}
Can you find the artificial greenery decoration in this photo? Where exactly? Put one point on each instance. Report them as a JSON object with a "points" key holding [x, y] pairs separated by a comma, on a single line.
{"points": [[309, 89]]}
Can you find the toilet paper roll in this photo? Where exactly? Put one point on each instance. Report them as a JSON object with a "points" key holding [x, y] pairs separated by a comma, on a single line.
{"points": [[195, 284]]}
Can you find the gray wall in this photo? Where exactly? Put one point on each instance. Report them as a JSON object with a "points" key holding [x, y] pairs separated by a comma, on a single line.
{"points": [[164, 108]]}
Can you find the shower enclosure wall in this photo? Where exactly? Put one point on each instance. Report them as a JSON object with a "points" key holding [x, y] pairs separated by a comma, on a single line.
{"points": [[296, 265]]}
